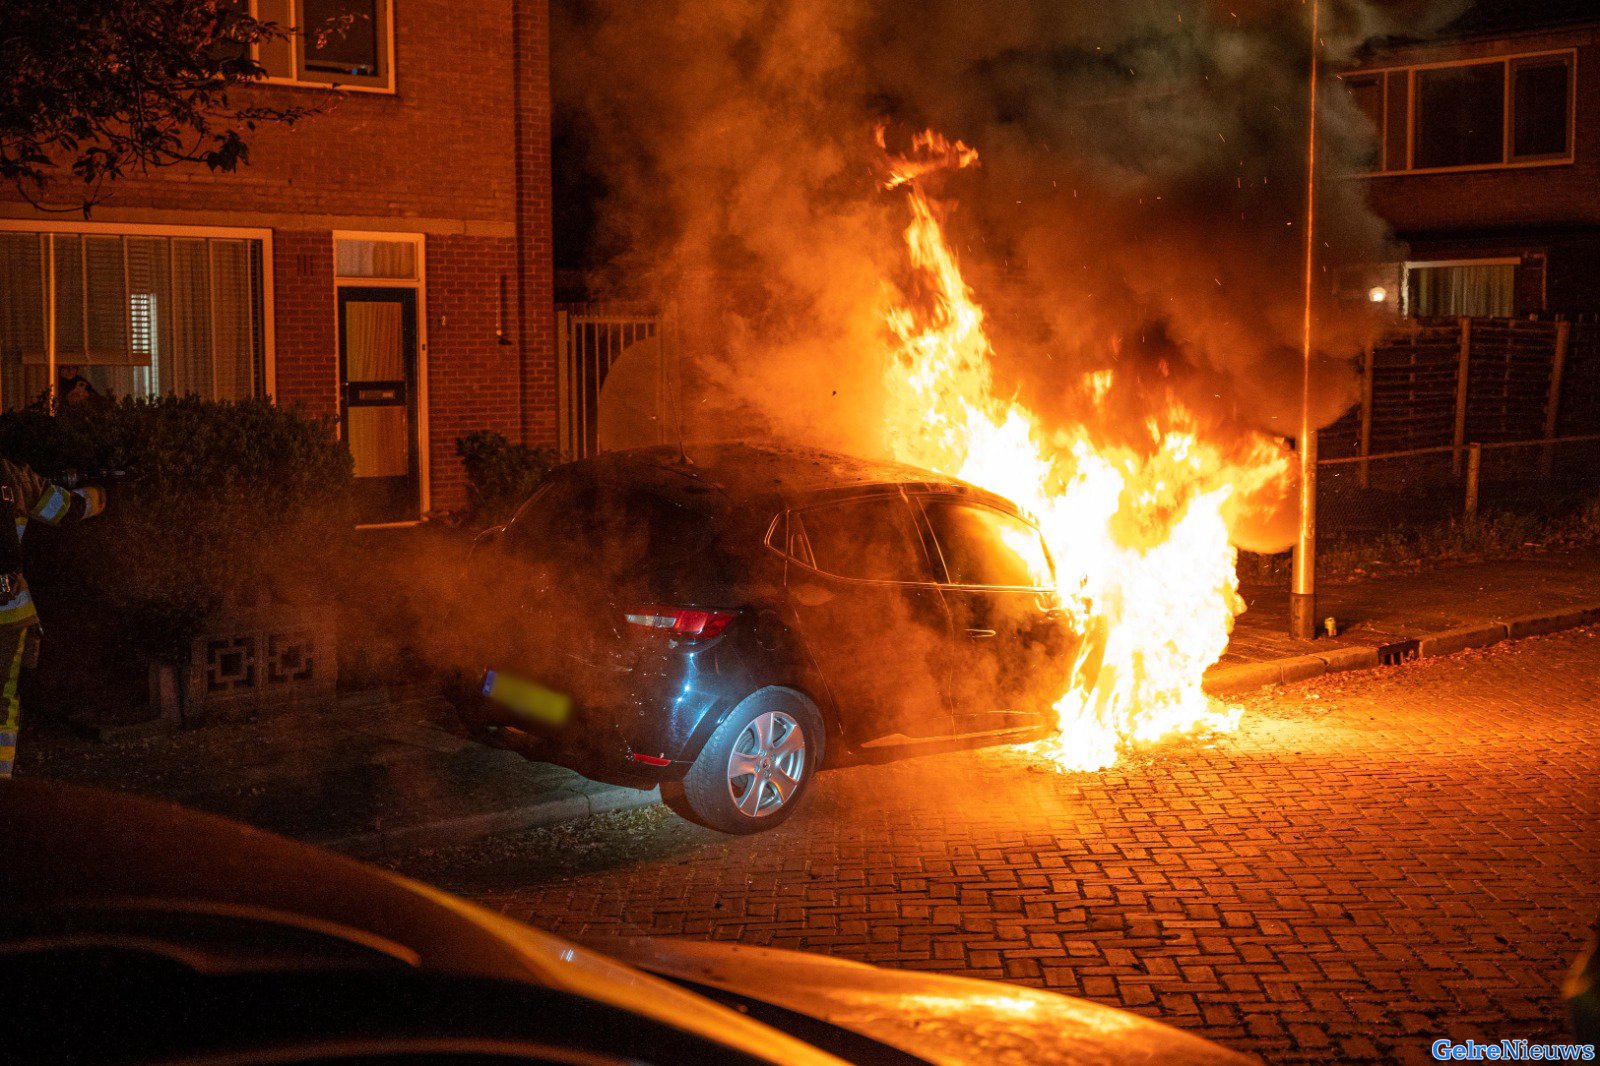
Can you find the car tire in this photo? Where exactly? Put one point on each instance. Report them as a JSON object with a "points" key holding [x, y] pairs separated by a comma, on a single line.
{"points": [[736, 785]]}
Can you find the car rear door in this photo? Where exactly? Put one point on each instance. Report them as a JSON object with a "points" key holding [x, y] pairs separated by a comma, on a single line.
{"points": [[862, 589], [1011, 646]]}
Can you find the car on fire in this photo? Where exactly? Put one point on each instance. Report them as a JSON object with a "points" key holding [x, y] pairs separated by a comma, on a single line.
{"points": [[726, 620], [136, 931]]}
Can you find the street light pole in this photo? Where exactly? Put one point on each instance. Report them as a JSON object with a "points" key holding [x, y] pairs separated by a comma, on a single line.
{"points": [[1303, 591]]}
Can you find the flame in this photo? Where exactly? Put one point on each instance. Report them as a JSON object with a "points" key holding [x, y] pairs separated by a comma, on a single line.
{"points": [[1138, 532]]}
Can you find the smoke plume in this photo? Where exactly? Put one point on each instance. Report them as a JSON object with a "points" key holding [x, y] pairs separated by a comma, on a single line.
{"points": [[1139, 207]]}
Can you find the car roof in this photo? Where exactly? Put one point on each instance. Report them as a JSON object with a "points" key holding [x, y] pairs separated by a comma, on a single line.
{"points": [[767, 472]]}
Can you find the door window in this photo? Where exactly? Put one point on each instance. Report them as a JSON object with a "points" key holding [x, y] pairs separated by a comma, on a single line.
{"points": [[982, 546], [873, 538]]}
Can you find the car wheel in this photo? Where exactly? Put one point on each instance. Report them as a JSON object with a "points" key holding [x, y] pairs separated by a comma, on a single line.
{"points": [[755, 768]]}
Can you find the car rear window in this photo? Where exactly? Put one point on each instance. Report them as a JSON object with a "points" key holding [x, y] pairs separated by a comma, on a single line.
{"points": [[873, 538], [982, 546], [611, 528]]}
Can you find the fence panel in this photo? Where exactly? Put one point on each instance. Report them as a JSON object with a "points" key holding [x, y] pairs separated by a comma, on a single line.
{"points": [[1580, 382], [1509, 379], [1414, 376], [590, 339]]}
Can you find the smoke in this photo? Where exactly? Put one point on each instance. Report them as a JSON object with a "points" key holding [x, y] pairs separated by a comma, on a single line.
{"points": [[1140, 205]]}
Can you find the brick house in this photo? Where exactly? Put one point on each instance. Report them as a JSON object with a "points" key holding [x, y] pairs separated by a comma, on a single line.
{"points": [[386, 262], [1488, 160]]}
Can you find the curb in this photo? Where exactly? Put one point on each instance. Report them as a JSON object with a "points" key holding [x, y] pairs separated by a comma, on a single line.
{"points": [[1233, 680], [466, 828]]}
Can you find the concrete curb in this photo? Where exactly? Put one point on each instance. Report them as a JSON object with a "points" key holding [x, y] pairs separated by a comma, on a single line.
{"points": [[565, 806], [1233, 680]]}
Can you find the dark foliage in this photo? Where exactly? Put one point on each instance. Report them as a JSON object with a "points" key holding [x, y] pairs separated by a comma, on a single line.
{"points": [[96, 88], [223, 502], [500, 474]]}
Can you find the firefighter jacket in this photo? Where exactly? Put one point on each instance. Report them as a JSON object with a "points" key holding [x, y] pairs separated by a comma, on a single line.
{"points": [[30, 498]]}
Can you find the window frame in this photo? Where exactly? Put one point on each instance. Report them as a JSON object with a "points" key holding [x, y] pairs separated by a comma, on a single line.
{"points": [[384, 86], [786, 524], [1409, 265], [936, 550], [269, 367], [1508, 64]]}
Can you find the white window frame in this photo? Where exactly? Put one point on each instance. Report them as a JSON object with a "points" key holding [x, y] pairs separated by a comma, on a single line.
{"points": [[1508, 64], [1433, 264], [269, 352], [420, 285], [296, 52]]}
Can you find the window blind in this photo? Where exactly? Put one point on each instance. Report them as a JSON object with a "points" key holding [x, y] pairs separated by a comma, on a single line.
{"points": [[136, 315]]}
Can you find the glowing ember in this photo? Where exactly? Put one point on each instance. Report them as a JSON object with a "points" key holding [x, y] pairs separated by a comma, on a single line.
{"points": [[1139, 535]]}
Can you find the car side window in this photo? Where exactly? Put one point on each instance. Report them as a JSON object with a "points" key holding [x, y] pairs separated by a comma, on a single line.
{"points": [[983, 546], [873, 538]]}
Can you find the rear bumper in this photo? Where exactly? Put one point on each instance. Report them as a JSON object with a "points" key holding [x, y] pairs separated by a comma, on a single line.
{"points": [[617, 744]]}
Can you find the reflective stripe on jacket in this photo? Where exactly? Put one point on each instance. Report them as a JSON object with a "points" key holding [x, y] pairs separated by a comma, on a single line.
{"points": [[35, 499]]}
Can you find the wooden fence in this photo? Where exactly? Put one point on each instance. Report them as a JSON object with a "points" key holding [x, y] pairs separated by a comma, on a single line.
{"points": [[1446, 383]]}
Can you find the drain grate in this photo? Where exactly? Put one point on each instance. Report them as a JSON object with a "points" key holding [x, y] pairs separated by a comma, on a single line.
{"points": [[1399, 652]]}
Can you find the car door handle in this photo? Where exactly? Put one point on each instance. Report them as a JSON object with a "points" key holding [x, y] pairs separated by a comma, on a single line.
{"points": [[980, 634]]}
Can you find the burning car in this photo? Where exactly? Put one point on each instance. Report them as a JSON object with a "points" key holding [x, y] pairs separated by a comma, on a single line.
{"points": [[725, 622]]}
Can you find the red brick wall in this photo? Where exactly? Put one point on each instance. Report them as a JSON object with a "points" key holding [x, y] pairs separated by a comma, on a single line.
{"points": [[535, 267], [459, 152], [472, 377], [437, 148], [1503, 200], [306, 321]]}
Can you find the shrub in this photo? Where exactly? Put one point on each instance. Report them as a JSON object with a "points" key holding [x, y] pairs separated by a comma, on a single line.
{"points": [[225, 502], [500, 474]]}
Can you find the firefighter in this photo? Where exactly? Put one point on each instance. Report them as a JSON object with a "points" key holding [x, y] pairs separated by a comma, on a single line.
{"points": [[28, 498]]}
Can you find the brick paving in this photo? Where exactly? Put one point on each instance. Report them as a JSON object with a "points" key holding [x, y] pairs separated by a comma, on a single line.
{"points": [[1373, 861]]}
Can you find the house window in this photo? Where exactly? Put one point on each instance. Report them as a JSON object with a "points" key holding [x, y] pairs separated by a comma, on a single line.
{"points": [[1461, 117], [360, 257], [1541, 108], [136, 315], [1474, 289], [348, 43], [1366, 92], [1503, 112]]}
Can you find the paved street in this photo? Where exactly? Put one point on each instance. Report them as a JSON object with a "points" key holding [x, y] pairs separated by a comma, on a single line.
{"points": [[1373, 861]]}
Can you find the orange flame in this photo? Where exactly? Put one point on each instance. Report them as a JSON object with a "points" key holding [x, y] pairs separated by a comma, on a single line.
{"points": [[1139, 537]]}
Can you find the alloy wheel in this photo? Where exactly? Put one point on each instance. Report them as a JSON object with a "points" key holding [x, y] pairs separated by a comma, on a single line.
{"points": [[767, 764]]}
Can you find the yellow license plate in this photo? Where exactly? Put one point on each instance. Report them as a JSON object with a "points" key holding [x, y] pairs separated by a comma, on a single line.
{"points": [[528, 700]]}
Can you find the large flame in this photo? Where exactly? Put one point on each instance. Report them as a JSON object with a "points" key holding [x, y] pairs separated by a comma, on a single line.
{"points": [[1139, 533]]}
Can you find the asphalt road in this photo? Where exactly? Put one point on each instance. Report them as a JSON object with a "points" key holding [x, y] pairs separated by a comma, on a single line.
{"points": [[1373, 861]]}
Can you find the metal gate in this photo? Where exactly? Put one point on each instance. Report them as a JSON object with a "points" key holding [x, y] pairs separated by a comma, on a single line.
{"points": [[590, 339]]}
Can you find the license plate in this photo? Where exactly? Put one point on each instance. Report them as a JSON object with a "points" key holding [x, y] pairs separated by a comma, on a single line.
{"points": [[527, 699]]}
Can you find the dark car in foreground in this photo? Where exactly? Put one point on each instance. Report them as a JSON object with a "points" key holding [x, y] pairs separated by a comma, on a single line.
{"points": [[140, 932], [725, 621]]}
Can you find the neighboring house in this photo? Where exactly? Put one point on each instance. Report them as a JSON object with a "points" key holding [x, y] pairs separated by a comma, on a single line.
{"points": [[386, 262], [1488, 160]]}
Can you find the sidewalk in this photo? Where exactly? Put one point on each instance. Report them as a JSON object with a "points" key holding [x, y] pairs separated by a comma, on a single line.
{"points": [[376, 775], [1405, 615]]}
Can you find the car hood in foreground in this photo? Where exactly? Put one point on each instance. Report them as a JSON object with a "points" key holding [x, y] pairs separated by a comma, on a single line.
{"points": [[950, 1021]]}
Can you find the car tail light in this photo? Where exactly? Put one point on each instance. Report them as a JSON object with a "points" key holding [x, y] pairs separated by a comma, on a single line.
{"points": [[690, 622]]}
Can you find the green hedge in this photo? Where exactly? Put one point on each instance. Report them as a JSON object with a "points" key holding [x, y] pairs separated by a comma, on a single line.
{"points": [[500, 474], [224, 502]]}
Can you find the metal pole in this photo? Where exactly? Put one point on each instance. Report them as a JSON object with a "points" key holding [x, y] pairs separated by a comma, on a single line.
{"points": [[1303, 593]]}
